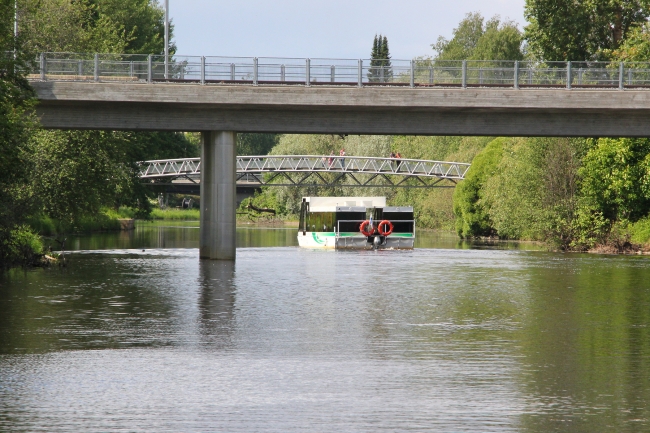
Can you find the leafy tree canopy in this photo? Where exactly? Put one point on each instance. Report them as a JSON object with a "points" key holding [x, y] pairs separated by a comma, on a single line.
{"points": [[256, 144], [476, 39], [115, 26], [636, 47], [561, 30]]}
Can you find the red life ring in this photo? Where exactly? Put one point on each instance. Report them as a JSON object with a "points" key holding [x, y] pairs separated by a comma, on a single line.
{"points": [[385, 232], [362, 228]]}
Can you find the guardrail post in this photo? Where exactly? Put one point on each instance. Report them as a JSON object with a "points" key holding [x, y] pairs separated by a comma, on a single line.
{"points": [[149, 69], [255, 64], [232, 72], [360, 74], [621, 72], [412, 73], [568, 75], [430, 74], [80, 68], [333, 73], [43, 66], [96, 67], [516, 74], [308, 72], [464, 83], [283, 73], [131, 69], [202, 69]]}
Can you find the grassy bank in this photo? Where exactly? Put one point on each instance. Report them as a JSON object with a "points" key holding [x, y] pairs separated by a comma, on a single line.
{"points": [[176, 214], [47, 226]]}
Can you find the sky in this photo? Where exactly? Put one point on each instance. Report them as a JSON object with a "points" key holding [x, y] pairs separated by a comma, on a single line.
{"points": [[323, 29]]}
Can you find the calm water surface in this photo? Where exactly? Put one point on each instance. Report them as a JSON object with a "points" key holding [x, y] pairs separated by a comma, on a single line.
{"points": [[449, 337]]}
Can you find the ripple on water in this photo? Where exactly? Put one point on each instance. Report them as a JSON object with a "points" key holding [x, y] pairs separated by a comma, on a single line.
{"points": [[288, 339]]}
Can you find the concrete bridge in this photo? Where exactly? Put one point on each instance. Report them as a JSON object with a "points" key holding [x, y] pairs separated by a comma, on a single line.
{"points": [[219, 96]]}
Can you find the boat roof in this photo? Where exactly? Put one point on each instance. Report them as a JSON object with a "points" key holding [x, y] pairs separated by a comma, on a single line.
{"points": [[330, 204]]}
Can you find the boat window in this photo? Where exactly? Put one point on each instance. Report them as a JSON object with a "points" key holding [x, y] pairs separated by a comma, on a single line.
{"points": [[350, 221], [321, 221]]}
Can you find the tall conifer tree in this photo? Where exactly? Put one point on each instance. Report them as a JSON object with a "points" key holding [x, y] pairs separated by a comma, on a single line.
{"points": [[380, 65]]}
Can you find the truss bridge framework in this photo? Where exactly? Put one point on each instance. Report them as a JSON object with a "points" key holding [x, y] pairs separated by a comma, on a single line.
{"points": [[312, 170]]}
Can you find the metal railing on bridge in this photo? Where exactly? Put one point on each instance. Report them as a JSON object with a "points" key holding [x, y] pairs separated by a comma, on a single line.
{"points": [[258, 71], [310, 170]]}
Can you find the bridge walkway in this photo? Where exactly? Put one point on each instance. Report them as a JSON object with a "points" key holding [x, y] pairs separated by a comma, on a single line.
{"points": [[312, 170]]}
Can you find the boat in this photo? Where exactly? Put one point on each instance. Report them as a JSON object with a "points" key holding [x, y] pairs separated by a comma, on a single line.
{"points": [[355, 223]]}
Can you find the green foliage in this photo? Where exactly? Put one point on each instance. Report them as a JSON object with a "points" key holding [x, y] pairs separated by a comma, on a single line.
{"points": [[68, 26], [532, 195], [105, 26], [22, 247], [636, 47], [475, 39], [267, 199], [16, 125], [561, 30], [142, 146], [616, 178], [143, 22], [640, 231], [380, 66], [472, 218], [76, 173], [105, 220], [256, 144], [176, 214]]}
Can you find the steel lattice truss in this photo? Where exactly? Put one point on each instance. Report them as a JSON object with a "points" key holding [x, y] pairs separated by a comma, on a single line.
{"points": [[310, 170]]}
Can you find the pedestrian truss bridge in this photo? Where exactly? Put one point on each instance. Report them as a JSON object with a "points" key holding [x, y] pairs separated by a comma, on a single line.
{"points": [[312, 170]]}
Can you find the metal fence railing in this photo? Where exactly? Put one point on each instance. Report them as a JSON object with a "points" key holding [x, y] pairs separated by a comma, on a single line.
{"points": [[137, 68]]}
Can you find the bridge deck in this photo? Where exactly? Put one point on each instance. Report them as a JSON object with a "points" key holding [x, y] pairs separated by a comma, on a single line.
{"points": [[303, 170], [326, 96]]}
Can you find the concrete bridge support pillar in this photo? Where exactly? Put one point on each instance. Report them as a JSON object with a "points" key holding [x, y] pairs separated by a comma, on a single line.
{"points": [[218, 195]]}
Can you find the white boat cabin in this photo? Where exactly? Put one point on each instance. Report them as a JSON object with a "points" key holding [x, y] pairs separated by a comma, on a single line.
{"points": [[355, 223]]}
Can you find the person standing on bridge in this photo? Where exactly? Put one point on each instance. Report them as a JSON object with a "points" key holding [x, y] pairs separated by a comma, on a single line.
{"points": [[398, 156], [330, 160], [392, 157], [342, 155]]}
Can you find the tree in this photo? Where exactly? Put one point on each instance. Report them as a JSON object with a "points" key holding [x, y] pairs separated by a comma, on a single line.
{"points": [[562, 30], [143, 22], [79, 172], [16, 126], [475, 39], [616, 178], [68, 26], [634, 48], [380, 66], [470, 208], [256, 144]]}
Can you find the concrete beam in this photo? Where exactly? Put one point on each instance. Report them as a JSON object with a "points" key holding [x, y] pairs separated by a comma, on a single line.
{"points": [[345, 110], [218, 195], [571, 123]]}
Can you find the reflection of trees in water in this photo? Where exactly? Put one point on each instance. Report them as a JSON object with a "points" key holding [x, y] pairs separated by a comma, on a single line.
{"points": [[586, 345], [217, 301]]}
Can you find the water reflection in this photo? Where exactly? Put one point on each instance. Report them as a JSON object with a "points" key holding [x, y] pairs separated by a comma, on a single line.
{"points": [[586, 344], [217, 302], [288, 339]]}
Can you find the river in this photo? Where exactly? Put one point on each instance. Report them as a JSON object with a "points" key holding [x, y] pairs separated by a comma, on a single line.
{"points": [[137, 334]]}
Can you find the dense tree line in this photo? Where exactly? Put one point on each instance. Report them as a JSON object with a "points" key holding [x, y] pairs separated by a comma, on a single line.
{"points": [[69, 176], [575, 194]]}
